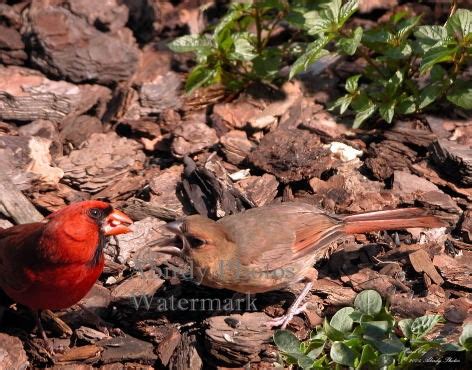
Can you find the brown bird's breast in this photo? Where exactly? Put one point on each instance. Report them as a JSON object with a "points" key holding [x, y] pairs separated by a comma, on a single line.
{"points": [[252, 279]]}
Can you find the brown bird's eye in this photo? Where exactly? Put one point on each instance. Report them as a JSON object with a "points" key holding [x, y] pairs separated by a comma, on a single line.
{"points": [[95, 213], [195, 242]]}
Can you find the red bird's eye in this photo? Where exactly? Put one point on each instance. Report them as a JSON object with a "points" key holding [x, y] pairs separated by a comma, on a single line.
{"points": [[95, 213]]}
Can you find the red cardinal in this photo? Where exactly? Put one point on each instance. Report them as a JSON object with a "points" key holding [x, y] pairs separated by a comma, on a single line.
{"points": [[54, 263]]}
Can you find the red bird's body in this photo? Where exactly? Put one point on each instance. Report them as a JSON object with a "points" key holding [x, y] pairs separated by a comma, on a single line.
{"points": [[53, 264]]}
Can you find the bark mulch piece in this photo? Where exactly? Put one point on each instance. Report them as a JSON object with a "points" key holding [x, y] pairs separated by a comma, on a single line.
{"points": [[101, 57], [454, 160], [237, 339], [13, 355], [292, 155]]}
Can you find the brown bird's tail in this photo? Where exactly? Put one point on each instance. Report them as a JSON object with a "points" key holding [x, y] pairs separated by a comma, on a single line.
{"points": [[390, 220]]}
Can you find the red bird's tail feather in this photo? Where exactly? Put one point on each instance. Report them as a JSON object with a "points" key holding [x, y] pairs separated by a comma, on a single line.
{"points": [[390, 220]]}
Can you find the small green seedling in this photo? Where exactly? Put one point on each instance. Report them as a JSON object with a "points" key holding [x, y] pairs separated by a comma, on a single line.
{"points": [[367, 336]]}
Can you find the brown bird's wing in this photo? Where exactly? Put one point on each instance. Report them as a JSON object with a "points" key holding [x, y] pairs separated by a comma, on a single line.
{"points": [[273, 236], [18, 250]]}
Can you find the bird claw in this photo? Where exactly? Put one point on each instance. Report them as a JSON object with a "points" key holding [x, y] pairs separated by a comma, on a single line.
{"points": [[48, 346], [284, 320], [101, 325], [111, 331]]}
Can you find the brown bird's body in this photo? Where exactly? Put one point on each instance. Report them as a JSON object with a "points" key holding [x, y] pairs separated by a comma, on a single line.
{"points": [[272, 247]]}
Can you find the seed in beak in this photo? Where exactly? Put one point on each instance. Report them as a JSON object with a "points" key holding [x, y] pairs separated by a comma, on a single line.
{"points": [[116, 223]]}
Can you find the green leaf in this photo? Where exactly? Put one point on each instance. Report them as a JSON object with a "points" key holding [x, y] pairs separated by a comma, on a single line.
{"points": [[200, 75], [376, 329], [332, 333], [349, 45], [305, 362], [347, 10], [363, 114], [406, 105], [318, 25], [331, 11], [356, 316], [275, 4], [376, 36], [343, 103], [431, 33], [314, 52], [389, 346], [369, 301], [405, 327], [385, 315], [461, 94], [415, 355], [429, 94], [397, 17], [385, 362], [393, 84], [190, 43], [368, 356], [398, 52], [438, 73], [341, 320], [406, 27], [244, 50], [267, 64], [466, 337], [315, 349], [342, 354], [354, 343], [460, 23], [228, 21], [286, 341], [357, 332], [352, 83], [319, 334], [321, 363], [387, 110], [453, 347], [424, 324], [437, 55]]}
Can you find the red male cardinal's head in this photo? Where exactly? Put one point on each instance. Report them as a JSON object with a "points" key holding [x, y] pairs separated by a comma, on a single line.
{"points": [[79, 231]]}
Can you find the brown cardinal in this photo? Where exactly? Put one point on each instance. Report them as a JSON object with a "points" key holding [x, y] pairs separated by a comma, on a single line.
{"points": [[53, 264], [269, 248]]}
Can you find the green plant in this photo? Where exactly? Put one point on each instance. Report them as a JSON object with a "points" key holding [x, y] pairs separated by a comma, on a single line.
{"points": [[408, 65], [367, 336], [412, 66], [231, 54]]}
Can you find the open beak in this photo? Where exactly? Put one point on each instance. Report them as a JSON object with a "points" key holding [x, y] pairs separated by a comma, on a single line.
{"points": [[176, 228], [116, 223]]}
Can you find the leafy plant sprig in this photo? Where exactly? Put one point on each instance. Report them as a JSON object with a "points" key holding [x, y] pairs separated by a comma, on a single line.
{"points": [[395, 77], [408, 65], [367, 336], [232, 55]]}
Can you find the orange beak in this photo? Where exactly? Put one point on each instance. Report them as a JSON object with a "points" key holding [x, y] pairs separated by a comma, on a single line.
{"points": [[116, 223]]}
